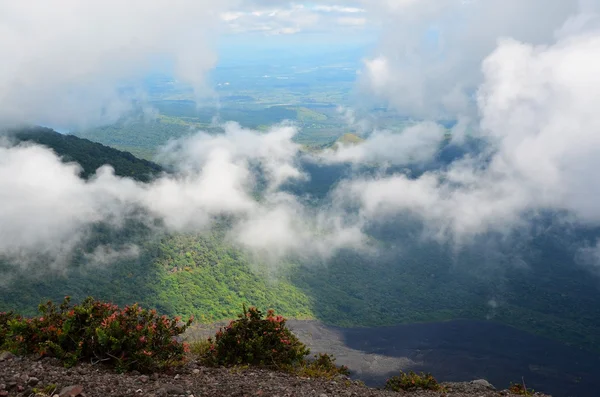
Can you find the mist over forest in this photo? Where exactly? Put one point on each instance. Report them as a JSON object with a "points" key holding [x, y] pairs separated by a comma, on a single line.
{"points": [[360, 163]]}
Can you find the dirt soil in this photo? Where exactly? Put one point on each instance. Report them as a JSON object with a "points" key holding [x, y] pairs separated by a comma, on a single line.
{"points": [[26, 376]]}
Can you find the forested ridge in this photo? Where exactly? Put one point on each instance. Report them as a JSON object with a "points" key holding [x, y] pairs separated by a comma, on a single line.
{"points": [[89, 155]]}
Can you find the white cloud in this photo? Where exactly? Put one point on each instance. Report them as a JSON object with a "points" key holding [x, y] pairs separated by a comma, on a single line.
{"points": [[529, 81], [288, 17], [589, 256], [339, 9], [105, 255], [46, 209], [351, 21], [428, 62], [63, 62], [537, 106], [415, 144]]}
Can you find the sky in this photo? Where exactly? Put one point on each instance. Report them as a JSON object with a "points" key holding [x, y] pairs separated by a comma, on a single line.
{"points": [[522, 75]]}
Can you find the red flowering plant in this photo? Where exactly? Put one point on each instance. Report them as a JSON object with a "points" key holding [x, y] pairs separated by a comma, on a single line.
{"points": [[255, 340], [128, 338]]}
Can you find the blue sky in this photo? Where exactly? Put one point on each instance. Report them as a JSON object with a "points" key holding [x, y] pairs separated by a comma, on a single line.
{"points": [[305, 29], [288, 18]]}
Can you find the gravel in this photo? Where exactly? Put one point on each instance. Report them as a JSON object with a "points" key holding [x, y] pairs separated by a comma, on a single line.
{"points": [[25, 376]]}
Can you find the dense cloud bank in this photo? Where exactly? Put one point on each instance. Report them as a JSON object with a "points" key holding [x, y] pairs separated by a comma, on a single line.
{"points": [[527, 85], [67, 62]]}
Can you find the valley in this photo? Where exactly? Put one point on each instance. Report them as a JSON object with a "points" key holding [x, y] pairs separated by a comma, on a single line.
{"points": [[458, 350]]}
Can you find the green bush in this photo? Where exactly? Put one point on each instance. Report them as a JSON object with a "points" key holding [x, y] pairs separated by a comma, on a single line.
{"points": [[412, 381], [200, 347], [255, 340], [323, 366], [128, 338], [520, 389], [5, 317]]}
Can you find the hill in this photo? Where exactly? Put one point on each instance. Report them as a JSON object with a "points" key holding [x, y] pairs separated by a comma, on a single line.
{"points": [[182, 274], [90, 155], [349, 139]]}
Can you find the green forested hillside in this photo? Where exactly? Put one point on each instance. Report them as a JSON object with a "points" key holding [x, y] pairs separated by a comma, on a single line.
{"points": [[183, 274], [90, 155], [201, 274], [205, 276]]}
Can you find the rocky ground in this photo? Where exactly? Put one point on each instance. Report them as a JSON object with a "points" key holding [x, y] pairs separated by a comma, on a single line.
{"points": [[27, 377]]}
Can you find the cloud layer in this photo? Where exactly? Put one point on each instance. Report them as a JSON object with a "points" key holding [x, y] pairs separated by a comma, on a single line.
{"points": [[47, 209], [429, 60], [528, 83], [67, 63], [536, 108]]}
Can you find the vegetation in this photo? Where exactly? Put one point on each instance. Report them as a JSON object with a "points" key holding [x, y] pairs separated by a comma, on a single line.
{"points": [[409, 280], [47, 390], [180, 275], [205, 276], [520, 389], [255, 340], [129, 338], [5, 319], [322, 366], [133, 338], [412, 381]]}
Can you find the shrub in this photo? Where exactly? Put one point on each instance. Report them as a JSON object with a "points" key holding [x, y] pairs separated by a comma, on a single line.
{"points": [[128, 338], [200, 347], [5, 318], [323, 366], [255, 340], [412, 381], [520, 389]]}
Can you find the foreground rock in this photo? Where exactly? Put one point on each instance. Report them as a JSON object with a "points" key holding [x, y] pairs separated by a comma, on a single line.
{"points": [[26, 377]]}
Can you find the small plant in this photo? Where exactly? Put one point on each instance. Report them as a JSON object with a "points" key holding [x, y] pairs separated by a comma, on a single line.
{"points": [[45, 391], [5, 318], [412, 381], [129, 338], [323, 366], [254, 340], [520, 389], [200, 348]]}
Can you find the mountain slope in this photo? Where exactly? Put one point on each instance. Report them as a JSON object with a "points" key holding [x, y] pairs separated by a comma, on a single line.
{"points": [[409, 280], [90, 155]]}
